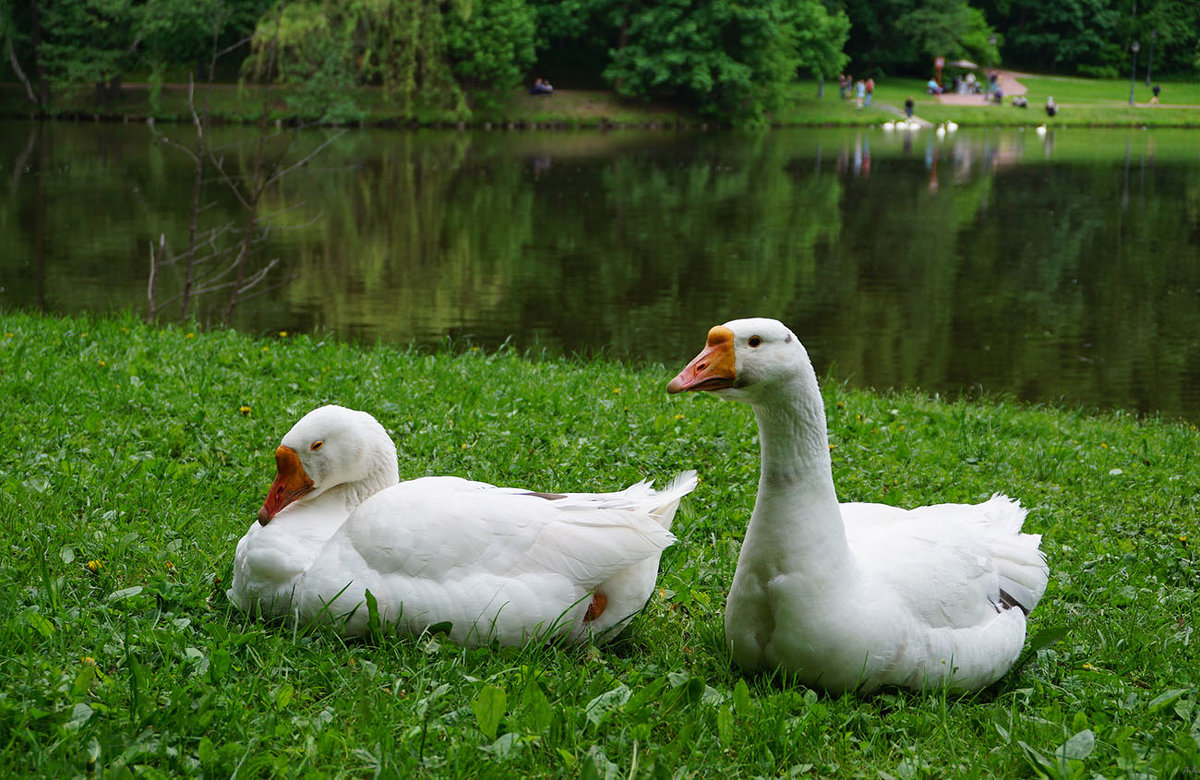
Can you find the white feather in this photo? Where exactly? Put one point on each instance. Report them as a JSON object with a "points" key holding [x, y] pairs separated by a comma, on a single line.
{"points": [[857, 596], [497, 564]]}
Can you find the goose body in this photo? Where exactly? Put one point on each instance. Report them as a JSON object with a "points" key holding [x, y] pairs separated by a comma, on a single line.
{"points": [[495, 564], [855, 596]]}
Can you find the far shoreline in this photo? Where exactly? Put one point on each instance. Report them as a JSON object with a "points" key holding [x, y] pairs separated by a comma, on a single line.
{"points": [[604, 110]]}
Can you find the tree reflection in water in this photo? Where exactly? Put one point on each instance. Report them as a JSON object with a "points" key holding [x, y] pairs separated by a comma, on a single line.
{"points": [[1052, 269]]}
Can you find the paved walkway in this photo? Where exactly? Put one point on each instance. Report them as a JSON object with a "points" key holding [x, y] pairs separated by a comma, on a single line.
{"points": [[1009, 87], [900, 113]]}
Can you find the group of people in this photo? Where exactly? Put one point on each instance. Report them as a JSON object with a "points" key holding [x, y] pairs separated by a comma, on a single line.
{"points": [[863, 90], [541, 87]]}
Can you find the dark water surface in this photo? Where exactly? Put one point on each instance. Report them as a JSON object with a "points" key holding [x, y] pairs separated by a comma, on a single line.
{"points": [[1063, 268]]}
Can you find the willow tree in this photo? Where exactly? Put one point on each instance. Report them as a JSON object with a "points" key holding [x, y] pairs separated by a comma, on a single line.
{"points": [[429, 57]]}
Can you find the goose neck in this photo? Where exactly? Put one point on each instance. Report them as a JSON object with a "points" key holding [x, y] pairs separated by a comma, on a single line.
{"points": [[797, 517]]}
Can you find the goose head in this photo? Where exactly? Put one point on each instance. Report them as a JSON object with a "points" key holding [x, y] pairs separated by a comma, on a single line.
{"points": [[750, 360], [330, 446]]}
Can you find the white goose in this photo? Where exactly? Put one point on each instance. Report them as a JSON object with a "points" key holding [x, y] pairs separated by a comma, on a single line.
{"points": [[851, 597], [495, 563]]}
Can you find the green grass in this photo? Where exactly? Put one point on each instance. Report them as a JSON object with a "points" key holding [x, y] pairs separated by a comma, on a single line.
{"points": [[1084, 102], [136, 456]]}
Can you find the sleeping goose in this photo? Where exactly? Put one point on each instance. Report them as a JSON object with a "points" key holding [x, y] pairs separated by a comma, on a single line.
{"points": [[496, 564], [855, 596]]}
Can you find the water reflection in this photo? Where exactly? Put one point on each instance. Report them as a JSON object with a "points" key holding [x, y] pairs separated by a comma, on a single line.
{"points": [[1063, 267]]}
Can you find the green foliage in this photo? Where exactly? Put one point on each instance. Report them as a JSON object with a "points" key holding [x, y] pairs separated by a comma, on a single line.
{"points": [[299, 46], [88, 41], [947, 28], [1092, 37], [425, 55], [490, 45], [729, 60]]}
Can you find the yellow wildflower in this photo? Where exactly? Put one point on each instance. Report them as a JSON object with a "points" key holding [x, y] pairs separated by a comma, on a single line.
{"points": [[94, 566], [190, 336], [87, 660], [244, 409], [102, 363], [1090, 668], [283, 334], [266, 349]]}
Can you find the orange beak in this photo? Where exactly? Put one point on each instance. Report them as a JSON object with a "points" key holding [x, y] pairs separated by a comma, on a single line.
{"points": [[290, 484], [712, 369]]}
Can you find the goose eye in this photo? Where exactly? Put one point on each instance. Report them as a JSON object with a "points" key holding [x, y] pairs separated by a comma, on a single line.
{"points": [[754, 341], [316, 445]]}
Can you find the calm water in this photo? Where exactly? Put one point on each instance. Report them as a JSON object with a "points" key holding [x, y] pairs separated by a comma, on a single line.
{"points": [[1063, 268]]}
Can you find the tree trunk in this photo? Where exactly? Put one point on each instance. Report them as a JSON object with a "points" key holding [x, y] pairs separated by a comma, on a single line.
{"points": [[35, 37]]}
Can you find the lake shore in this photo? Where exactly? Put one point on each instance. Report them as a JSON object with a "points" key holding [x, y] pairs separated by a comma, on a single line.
{"points": [[138, 455], [1082, 102]]}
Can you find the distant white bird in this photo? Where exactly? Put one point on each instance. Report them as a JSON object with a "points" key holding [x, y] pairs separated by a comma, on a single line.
{"points": [[1041, 129], [951, 127], [941, 131], [889, 126], [855, 596], [494, 563]]}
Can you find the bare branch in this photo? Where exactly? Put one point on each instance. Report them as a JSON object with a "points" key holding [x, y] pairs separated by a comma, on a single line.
{"points": [[16, 66], [257, 277], [279, 174]]}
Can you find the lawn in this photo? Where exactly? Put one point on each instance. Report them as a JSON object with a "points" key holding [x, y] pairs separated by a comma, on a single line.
{"points": [[1084, 102], [136, 457]]}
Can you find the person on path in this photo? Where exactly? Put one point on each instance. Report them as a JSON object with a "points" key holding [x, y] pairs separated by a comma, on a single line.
{"points": [[908, 107], [860, 89], [1154, 100], [870, 89]]}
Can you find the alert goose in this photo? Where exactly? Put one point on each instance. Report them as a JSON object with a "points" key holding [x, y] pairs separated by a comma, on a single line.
{"points": [[487, 563], [855, 596]]}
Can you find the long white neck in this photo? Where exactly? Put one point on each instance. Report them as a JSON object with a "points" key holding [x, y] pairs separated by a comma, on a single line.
{"points": [[797, 525]]}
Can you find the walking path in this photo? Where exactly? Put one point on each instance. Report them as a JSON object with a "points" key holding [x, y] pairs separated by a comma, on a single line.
{"points": [[900, 113], [1009, 87]]}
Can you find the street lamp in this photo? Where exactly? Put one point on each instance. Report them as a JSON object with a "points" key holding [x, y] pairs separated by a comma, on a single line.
{"points": [[1133, 70], [1150, 54], [991, 79]]}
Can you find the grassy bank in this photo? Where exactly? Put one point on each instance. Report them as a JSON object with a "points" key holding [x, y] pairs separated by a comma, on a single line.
{"points": [[1083, 102], [137, 456]]}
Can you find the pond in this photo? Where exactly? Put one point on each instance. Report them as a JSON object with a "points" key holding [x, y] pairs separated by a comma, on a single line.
{"points": [[1061, 268]]}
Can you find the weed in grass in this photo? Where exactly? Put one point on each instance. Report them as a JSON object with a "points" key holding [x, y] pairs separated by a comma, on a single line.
{"points": [[128, 449]]}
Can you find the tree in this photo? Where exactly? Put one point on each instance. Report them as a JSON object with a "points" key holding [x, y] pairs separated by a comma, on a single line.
{"points": [[874, 43], [948, 28], [221, 258], [88, 42], [490, 45], [728, 60], [430, 57]]}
